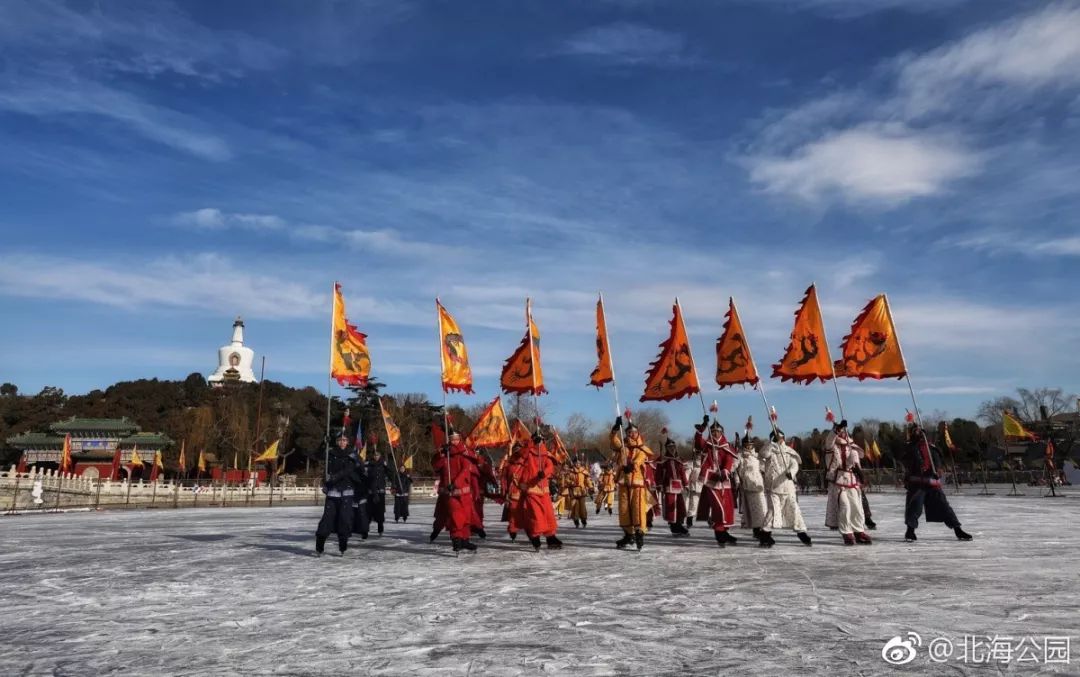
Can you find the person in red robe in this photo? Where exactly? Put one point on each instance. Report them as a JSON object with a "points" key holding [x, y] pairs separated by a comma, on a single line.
{"points": [[537, 511], [671, 480], [457, 476], [485, 475], [716, 474], [512, 491]]}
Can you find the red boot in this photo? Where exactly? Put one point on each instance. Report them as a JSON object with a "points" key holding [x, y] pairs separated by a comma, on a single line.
{"points": [[862, 538]]}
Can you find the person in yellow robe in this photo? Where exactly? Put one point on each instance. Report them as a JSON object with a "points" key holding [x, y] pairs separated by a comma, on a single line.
{"points": [[581, 488], [630, 460], [560, 491], [605, 496]]}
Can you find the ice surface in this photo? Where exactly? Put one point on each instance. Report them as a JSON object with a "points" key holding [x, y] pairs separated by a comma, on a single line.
{"points": [[228, 591]]}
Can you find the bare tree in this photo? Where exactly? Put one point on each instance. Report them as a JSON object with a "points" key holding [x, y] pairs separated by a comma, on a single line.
{"points": [[577, 431], [1028, 405]]}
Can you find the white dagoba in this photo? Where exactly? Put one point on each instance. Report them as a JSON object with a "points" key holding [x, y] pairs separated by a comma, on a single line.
{"points": [[235, 360]]}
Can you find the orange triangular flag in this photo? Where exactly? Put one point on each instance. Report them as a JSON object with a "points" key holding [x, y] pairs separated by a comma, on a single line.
{"points": [[559, 453], [200, 464], [491, 429], [673, 375], [523, 373], [456, 373], [807, 356], [604, 372], [393, 432], [65, 455], [734, 363], [136, 460], [520, 433], [350, 362], [872, 350], [181, 462]]}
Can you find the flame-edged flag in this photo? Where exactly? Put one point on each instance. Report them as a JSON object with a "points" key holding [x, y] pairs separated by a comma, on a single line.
{"points": [[200, 464], [491, 429], [734, 363], [270, 454], [807, 355], [1014, 429], [873, 453], [181, 460], [438, 435], [520, 433], [872, 349], [350, 361], [947, 438], [522, 372], [558, 452], [393, 432], [136, 460], [673, 375], [456, 372], [65, 455], [604, 372], [158, 466]]}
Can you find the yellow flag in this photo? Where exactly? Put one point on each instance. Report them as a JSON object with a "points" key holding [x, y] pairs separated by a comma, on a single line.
{"points": [[65, 455], [1013, 427], [393, 432], [522, 372], [270, 454], [201, 463], [734, 363], [181, 462], [157, 460], [407, 463], [135, 460], [814, 457], [281, 467], [948, 439], [604, 373], [350, 362], [872, 350], [456, 372], [491, 429], [807, 355], [673, 374]]}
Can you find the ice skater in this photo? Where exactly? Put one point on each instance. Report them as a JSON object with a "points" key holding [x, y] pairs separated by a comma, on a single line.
{"points": [[630, 460], [924, 488], [671, 479], [751, 487], [716, 475], [337, 517], [376, 489]]}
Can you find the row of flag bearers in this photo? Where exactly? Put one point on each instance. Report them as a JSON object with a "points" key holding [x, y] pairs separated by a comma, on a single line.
{"points": [[640, 481]]}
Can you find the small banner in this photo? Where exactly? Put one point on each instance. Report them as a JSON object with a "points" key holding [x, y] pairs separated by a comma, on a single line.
{"points": [[672, 376]]}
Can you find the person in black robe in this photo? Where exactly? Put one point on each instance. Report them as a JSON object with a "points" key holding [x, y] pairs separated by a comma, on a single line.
{"points": [[342, 469], [924, 488], [402, 488], [376, 480], [361, 516]]}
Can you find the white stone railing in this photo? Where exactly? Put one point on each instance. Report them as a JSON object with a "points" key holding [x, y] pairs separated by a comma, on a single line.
{"points": [[43, 490]]}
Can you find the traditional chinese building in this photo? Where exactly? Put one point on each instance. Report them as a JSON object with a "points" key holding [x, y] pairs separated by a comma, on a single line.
{"points": [[94, 442]]}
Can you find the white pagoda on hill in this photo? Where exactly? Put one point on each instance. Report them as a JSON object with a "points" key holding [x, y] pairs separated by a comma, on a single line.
{"points": [[234, 360]]}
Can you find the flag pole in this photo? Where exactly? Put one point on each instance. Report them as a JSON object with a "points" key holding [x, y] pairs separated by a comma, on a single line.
{"points": [[611, 364], [532, 360], [907, 377], [760, 385], [693, 364], [442, 386], [329, 381], [828, 353], [258, 415]]}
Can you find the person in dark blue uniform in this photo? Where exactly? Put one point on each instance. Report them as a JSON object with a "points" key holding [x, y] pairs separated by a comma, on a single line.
{"points": [[342, 469]]}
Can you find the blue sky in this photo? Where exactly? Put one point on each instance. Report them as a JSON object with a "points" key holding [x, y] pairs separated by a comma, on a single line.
{"points": [[166, 167]]}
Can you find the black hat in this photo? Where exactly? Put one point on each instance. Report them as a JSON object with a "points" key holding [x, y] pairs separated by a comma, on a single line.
{"points": [[775, 435], [841, 424], [747, 441], [716, 426], [343, 434], [631, 426]]}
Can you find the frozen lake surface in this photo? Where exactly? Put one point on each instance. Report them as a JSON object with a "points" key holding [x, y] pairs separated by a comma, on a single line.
{"points": [[237, 591]]}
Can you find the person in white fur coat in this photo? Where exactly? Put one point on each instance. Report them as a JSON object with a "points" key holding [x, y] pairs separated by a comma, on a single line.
{"points": [[844, 510], [693, 489], [751, 487], [780, 466]]}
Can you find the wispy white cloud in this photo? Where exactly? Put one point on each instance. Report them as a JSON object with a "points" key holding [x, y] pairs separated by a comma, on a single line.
{"points": [[628, 44], [210, 218], [917, 127], [885, 164], [206, 282], [1017, 242]]}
